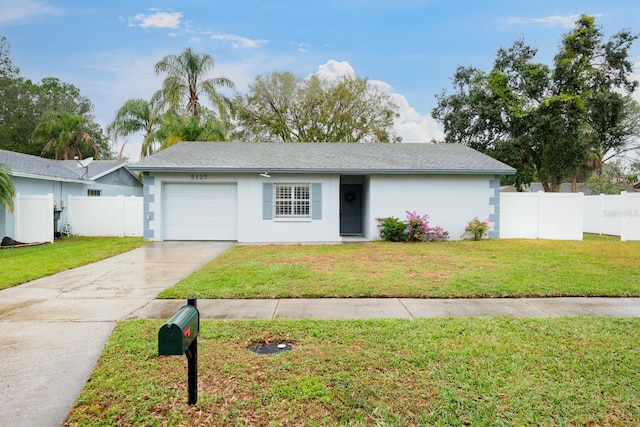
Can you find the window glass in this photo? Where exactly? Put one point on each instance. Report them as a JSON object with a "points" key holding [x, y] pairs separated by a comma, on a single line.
{"points": [[292, 200]]}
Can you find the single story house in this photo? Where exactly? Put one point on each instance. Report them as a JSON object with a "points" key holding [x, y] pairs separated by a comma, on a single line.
{"points": [[33, 175], [313, 192]]}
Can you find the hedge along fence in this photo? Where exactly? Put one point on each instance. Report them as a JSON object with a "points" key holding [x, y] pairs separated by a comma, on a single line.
{"points": [[565, 216]]}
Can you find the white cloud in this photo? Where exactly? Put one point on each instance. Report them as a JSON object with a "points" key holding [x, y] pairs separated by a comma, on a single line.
{"points": [[239, 41], [18, 11], [126, 75], [413, 126], [334, 70], [566, 21], [156, 20]]}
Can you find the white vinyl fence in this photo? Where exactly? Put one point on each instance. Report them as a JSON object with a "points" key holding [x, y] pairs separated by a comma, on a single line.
{"points": [[84, 216], [105, 216], [565, 216], [617, 215], [541, 215], [33, 218]]}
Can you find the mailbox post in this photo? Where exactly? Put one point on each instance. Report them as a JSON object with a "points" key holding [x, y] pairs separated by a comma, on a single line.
{"points": [[180, 336]]}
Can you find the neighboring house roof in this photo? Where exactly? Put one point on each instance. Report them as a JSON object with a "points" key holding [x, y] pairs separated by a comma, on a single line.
{"points": [[318, 157], [97, 168], [565, 187], [28, 166]]}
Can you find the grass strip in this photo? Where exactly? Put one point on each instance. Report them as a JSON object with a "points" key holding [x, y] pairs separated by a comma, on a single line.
{"points": [[20, 265], [597, 266], [449, 372]]}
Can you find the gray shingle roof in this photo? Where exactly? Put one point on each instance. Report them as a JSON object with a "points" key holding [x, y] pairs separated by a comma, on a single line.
{"points": [[56, 170], [322, 158]]}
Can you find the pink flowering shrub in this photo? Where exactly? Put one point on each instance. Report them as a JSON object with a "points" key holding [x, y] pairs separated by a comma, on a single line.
{"points": [[417, 226], [476, 229], [436, 234], [414, 229]]}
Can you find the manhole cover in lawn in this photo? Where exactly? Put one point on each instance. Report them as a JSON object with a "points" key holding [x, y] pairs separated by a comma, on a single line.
{"points": [[271, 348]]}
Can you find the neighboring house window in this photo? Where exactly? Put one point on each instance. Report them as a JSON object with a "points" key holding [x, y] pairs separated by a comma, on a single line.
{"points": [[94, 193], [292, 201]]}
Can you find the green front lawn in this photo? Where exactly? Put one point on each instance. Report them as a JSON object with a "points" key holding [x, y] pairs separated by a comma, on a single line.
{"points": [[597, 266], [19, 265], [449, 372]]}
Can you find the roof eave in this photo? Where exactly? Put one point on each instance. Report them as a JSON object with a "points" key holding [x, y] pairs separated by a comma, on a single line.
{"points": [[51, 178], [328, 171]]}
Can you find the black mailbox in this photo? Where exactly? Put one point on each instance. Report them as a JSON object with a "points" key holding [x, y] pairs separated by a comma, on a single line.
{"points": [[175, 337]]}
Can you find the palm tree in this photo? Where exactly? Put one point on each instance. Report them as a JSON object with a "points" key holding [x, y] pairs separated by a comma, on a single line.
{"points": [[177, 128], [137, 116], [65, 134], [592, 160], [6, 188], [184, 83]]}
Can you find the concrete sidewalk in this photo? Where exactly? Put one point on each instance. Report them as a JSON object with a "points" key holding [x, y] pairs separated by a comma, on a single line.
{"points": [[406, 308], [52, 330]]}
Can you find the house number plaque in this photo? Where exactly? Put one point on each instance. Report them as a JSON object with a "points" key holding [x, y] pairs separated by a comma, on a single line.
{"points": [[196, 177]]}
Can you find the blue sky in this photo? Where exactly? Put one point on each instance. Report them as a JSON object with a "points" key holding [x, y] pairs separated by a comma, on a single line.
{"points": [[108, 48]]}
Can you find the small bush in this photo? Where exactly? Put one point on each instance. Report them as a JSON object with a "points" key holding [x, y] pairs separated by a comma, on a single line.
{"points": [[476, 229], [392, 229]]}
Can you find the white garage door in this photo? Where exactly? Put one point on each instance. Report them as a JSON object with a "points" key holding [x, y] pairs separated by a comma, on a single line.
{"points": [[199, 211]]}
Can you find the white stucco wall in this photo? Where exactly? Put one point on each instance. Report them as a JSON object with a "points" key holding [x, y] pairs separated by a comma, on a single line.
{"points": [[450, 201], [60, 190], [109, 190], [251, 226]]}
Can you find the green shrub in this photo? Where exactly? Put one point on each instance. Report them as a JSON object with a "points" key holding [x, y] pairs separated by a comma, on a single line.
{"points": [[392, 229]]}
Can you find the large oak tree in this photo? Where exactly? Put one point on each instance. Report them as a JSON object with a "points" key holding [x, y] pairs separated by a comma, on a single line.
{"points": [[280, 107], [547, 122], [25, 104]]}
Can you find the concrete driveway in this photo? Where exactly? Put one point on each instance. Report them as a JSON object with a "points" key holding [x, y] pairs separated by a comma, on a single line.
{"points": [[52, 330]]}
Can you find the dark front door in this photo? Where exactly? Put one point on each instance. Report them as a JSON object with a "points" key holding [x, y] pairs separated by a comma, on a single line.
{"points": [[351, 209]]}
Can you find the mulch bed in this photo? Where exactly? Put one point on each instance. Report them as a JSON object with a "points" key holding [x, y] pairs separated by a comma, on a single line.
{"points": [[9, 243]]}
